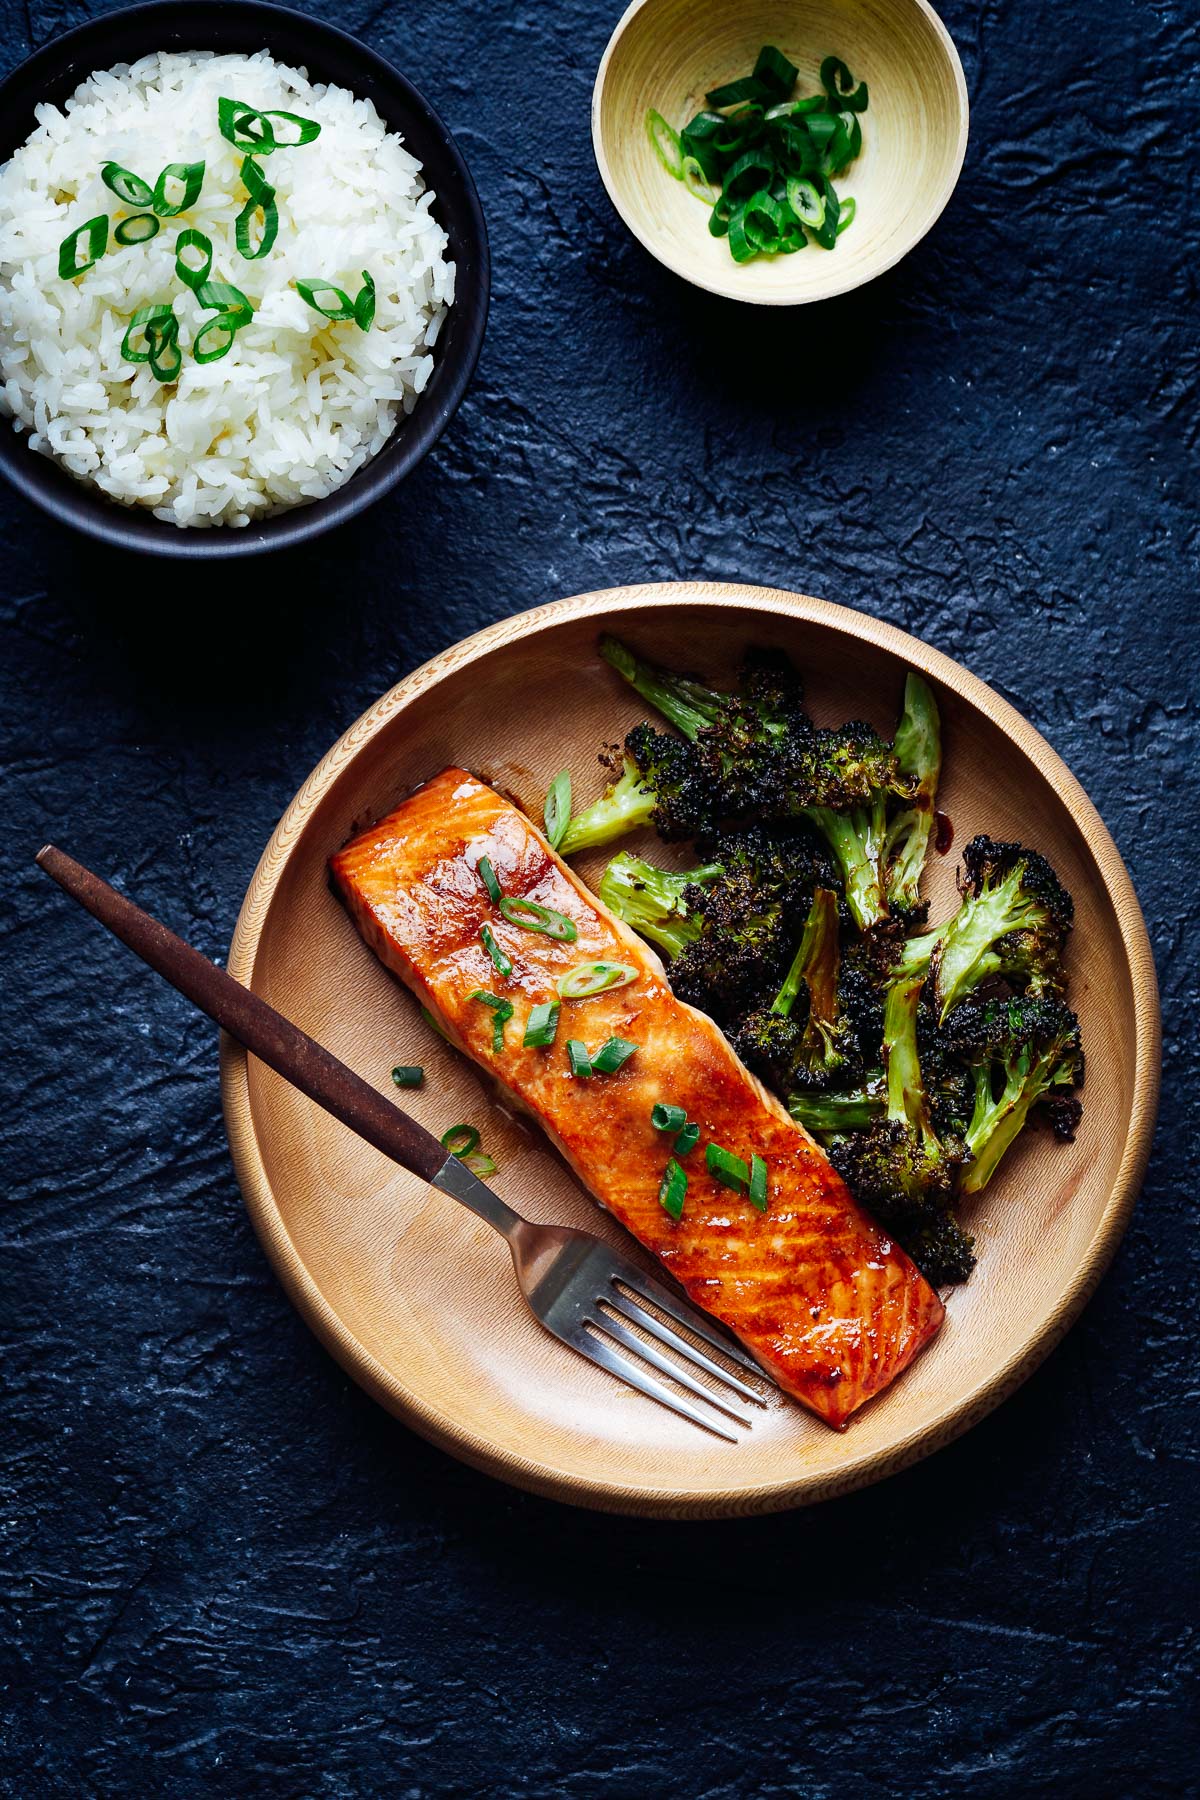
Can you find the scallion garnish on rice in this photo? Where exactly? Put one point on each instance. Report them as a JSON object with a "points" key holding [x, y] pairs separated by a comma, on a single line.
{"points": [[248, 129], [95, 233], [191, 239], [138, 228], [334, 303], [262, 199], [126, 185], [191, 178]]}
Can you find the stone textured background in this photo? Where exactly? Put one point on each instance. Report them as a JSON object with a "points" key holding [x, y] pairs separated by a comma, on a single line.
{"points": [[226, 1571]]}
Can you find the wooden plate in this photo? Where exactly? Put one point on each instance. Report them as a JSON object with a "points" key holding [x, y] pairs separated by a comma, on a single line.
{"points": [[416, 1298]]}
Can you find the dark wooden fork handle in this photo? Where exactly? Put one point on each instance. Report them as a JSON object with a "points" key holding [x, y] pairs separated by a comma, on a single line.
{"points": [[263, 1031]]}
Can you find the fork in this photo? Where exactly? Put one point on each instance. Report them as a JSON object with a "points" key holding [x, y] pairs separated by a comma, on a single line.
{"points": [[586, 1294]]}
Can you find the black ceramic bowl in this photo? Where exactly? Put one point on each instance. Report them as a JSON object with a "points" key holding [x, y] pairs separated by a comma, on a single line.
{"points": [[54, 72]]}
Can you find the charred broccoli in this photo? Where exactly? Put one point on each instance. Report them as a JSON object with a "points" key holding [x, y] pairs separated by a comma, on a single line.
{"points": [[1021, 1052], [807, 1045], [655, 901], [752, 915], [899, 1168], [746, 740], [660, 784], [1013, 921]]}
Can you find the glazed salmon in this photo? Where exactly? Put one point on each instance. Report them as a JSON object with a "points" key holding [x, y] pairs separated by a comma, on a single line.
{"points": [[821, 1297]]}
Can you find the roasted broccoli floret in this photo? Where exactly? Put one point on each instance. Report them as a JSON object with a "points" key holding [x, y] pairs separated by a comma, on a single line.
{"points": [[941, 1249], [746, 739], [752, 915], [899, 1168], [803, 1040], [847, 789], [660, 784], [1021, 1052], [1013, 921], [655, 901], [919, 754], [686, 704]]}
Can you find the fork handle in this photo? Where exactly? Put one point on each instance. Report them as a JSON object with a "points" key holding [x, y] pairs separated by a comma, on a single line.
{"points": [[257, 1026]]}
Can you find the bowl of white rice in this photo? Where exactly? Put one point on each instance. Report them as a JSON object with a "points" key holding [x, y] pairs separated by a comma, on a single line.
{"points": [[243, 277]]}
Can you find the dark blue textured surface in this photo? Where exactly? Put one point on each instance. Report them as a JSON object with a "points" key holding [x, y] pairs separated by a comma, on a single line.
{"points": [[225, 1570]]}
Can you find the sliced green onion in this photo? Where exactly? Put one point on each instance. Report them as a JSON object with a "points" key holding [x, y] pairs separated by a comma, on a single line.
{"points": [[342, 306], [479, 1163], [664, 1117], [262, 199], [460, 1140], [740, 247], [434, 1024], [150, 322], [773, 70], [306, 130], [728, 1169], [612, 1055], [849, 207], [687, 1140], [762, 219], [192, 177], [541, 1027], [96, 232], [126, 185], [138, 229], [487, 875], [673, 1190], [557, 811], [758, 1183], [838, 83], [193, 240], [215, 338], [502, 961], [502, 1012], [734, 92], [408, 1075], [827, 235], [227, 299], [580, 1061], [530, 916], [590, 978], [696, 181], [805, 202], [166, 358], [364, 303], [665, 140], [795, 109], [236, 122]]}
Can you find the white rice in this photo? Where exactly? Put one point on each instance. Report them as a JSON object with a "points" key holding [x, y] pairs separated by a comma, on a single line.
{"points": [[299, 404]]}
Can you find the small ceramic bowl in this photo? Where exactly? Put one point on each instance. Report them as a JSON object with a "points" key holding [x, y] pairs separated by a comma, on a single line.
{"points": [[666, 54], [54, 72]]}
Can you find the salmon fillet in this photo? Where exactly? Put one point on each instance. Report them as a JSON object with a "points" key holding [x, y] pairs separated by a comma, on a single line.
{"points": [[818, 1294]]}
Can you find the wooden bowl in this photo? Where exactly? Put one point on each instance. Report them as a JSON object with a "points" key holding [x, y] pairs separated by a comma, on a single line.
{"points": [[666, 54], [416, 1298]]}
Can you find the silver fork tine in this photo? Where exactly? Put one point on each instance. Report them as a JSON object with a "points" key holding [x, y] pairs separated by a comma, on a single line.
{"points": [[646, 1321], [608, 1357], [614, 1328], [685, 1314]]}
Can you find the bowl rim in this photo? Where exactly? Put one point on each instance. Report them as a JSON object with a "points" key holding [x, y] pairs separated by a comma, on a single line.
{"points": [[88, 511], [649, 1500], [684, 272]]}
